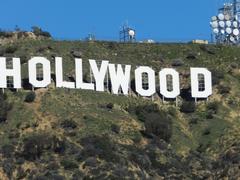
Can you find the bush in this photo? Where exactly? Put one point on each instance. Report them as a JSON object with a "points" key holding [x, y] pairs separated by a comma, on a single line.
{"points": [[177, 62], [39, 32], [217, 76], [234, 65], [35, 145], [21, 174], [141, 159], [110, 105], [159, 124], [191, 55], [188, 107], [206, 132], [194, 120], [210, 114], [4, 34], [4, 107], [30, 97], [100, 146], [112, 45], [77, 53], [224, 89], [142, 111], [68, 124], [213, 106], [8, 167], [115, 128], [69, 164], [11, 49], [7, 150], [137, 138], [2, 51], [208, 49], [172, 111], [49, 175]]}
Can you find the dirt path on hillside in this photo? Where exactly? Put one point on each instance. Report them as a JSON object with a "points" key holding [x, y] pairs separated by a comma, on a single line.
{"points": [[45, 121]]}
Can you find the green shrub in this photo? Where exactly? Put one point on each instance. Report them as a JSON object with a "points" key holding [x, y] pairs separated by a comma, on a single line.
{"points": [[209, 114], [69, 164], [5, 107], [194, 120], [21, 174], [217, 76], [100, 146], [110, 105], [39, 32], [208, 49], [224, 89], [5, 34], [213, 106], [112, 45], [177, 62], [2, 51], [30, 97], [191, 55], [172, 111], [137, 138], [7, 150], [188, 107], [36, 144], [234, 65], [11, 49], [8, 167], [206, 132], [142, 111], [157, 122], [115, 128], [68, 124]]}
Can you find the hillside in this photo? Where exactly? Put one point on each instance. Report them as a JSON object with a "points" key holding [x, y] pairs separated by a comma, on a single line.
{"points": [[77, 134]]}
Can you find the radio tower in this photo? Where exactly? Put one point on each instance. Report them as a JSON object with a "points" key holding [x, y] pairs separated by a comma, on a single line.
{"points": [[226, 25], [127, 34], [236, 4]]}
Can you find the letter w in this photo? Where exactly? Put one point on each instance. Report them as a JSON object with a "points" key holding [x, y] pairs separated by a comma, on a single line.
{"points": [[119, 78]]}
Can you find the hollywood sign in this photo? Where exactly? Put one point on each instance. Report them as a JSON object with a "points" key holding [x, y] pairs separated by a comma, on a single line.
{"points": [[120, 77]]}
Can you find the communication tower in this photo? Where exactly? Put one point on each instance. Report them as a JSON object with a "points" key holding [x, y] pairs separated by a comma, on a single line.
{"points": [[226, 25], [127, 34], [91, 37], [237, 8]]}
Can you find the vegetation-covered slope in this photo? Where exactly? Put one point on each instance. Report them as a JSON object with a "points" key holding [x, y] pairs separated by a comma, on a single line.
{"points": [[76, 134]]}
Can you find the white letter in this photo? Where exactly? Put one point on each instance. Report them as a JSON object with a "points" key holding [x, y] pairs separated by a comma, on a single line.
{"points": [[196, 93], [15, 72], [175, 83], [79, 76], [151, 81], [32, 70], [59, 75], [99, 75], [119, 78]]}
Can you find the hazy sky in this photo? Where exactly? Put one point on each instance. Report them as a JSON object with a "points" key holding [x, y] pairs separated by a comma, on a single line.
{"points": [[169, 20]]}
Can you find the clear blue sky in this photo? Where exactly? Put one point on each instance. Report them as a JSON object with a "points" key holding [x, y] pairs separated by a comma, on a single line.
{"points": [[169, 20]]}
